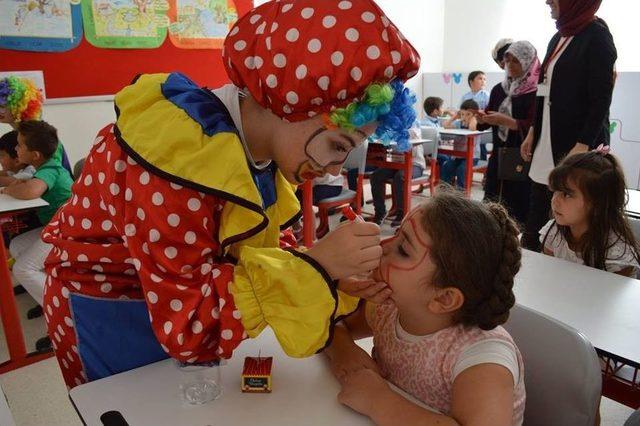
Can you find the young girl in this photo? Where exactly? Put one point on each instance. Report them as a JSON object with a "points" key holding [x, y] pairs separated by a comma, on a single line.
{"points": [[451, 269], [588, 225]]}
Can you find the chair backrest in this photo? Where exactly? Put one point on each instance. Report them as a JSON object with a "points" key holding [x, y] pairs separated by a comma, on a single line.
{"points": [[562, 371], [357, 158], [432, 134], [635, 226]]}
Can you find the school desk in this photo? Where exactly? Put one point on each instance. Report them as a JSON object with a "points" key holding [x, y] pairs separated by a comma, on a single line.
{"points": [[471, 137]]}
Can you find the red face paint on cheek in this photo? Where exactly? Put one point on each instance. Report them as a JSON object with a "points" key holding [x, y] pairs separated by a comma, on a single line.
{"points": [[387, 268]]}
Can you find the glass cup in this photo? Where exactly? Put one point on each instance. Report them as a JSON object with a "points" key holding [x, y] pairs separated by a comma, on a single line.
{"points": [[200, 383]]}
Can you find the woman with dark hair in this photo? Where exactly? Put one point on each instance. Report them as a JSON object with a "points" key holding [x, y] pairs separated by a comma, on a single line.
{"points": [[510, 114], [573, 99]]}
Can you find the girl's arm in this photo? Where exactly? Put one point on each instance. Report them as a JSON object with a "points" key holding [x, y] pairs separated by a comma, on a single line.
{"points": [[343, 353], [482, 395]]}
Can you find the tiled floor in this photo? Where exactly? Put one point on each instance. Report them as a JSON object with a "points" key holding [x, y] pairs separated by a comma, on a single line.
{"points": [[37, 395]]}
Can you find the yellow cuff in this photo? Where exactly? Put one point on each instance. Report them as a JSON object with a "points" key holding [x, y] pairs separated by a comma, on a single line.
{"points": [[291, 293]]}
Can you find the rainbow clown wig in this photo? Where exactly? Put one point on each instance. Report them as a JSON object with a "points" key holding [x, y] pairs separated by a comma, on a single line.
{"points": [[21, 97]]}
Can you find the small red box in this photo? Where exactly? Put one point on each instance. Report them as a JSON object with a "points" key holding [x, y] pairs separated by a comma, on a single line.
{"points": [[256, 374]]}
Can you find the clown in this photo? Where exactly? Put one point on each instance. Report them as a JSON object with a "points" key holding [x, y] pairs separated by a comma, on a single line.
{"points": [[21, 100], [176, 241]]}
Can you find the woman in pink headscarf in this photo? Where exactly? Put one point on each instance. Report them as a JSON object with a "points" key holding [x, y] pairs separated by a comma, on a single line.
{"points": [[573, 99], [510, 114]]}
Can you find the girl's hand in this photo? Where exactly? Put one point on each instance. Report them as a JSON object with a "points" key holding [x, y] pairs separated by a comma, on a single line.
{"points": [[365, 288], [351, 249], [348, 360], [362, 389], [527, 145]]}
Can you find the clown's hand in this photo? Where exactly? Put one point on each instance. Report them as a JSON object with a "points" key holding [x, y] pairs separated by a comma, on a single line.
{"points": [[365, 287], [351, 249]]}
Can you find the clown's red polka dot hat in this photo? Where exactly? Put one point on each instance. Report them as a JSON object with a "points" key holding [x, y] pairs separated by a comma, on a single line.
{"points": [[300, 58]]}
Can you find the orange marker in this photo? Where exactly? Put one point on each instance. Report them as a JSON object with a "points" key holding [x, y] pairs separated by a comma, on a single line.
{"points": [[348, 212]]}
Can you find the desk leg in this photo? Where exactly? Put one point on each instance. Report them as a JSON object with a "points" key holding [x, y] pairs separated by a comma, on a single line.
{"points": [[469, 166], [307, 214], [408, 175], [9, 311]]}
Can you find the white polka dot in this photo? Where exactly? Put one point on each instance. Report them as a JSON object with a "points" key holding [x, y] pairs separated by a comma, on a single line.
{"points": [[131, 161], [292, 97], [64, 255], [272, 81], [206, 290], [385, 36], [180, 339], [356, 73], [234, 31], [274, 26], [173, 220], [112, 210], [287, 7], [129, 230], [342, 94], [171, 252], [98, 139], [395, 57], [155, 278], [385, 21], [388, 72], [323, 82], [314, 45], [128, 194], [412, 73], [65, 292], [260, 28], [154, 235], [152, 297], [337, 58], [236, 314], [175, 186], [88, 180], [144, 178], [86, 224], [280, 61], [352, 34], [328, 21], [257, 62], [140, 213], [106, 288], [205, 268], [167, 327], [249, 62], [215, 313], [56, 301], [307, 12], [344, 5], [120, 166], [267, 42], [97, 268], [254, 18], [287, 109], [368, 17], [373, 52], [100, 149], [190, 237], [49, 310], [301, 72], [221, 303], [216, 273], [176, 305], [114, 189], [64, 363], [137, 264], [157, 199], [293, 34], [226, 334], [196, 327], [193, 204], [68, 321], [60, 330], [240, 45]]}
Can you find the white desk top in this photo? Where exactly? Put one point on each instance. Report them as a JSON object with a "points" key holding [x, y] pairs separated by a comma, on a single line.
{"points": [[602, 305], [462, 132], [304, 393], [9, 204], [633, 206], [6, 419]]}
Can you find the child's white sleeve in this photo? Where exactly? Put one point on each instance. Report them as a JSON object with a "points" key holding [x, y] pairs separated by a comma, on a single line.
{"points": [[25, 174], [490, 351]]}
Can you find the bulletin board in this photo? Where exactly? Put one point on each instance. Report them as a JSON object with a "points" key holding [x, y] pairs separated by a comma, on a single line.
{"points": [[91, 71]]}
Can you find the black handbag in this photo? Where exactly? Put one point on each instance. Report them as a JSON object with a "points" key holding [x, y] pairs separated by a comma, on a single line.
{"points": [[511, 166]]}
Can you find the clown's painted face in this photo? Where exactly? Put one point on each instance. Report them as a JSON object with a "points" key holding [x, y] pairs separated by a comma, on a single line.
{"points": [[313, 149], [406, 265]]}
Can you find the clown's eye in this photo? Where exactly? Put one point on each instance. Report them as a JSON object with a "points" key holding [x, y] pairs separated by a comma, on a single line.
{"points": [[340, 147]]}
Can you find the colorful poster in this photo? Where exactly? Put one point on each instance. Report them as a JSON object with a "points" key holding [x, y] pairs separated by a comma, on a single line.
{"points": [[125, 24], [200, 24], [40, 25]]}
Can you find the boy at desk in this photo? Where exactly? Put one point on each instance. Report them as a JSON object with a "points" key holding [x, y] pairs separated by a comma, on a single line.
{"points": [[37, 143], [464, 119]]}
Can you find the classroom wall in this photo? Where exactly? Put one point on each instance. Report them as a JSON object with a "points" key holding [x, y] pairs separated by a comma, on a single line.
{"points": [[473, 27]]}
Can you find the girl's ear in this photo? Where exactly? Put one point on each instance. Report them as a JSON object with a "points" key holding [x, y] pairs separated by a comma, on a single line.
{"points": [[446, 300]]}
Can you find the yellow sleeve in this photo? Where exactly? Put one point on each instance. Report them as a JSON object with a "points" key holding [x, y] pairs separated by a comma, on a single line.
{"points": [[291, 293]]}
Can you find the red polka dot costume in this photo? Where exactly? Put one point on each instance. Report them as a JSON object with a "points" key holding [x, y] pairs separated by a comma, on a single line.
{"points": [[172, 245]]}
